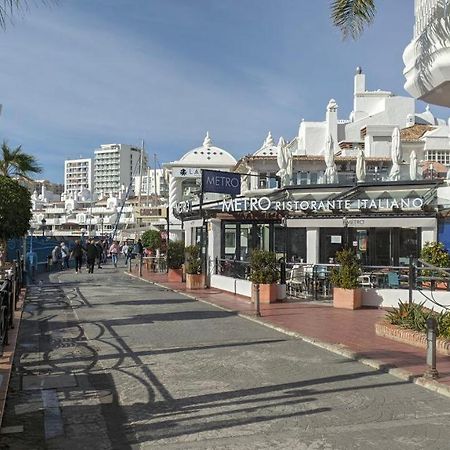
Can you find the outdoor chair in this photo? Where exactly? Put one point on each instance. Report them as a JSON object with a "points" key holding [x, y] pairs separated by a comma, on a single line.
{"points": [[393, 280], [296, 281]]}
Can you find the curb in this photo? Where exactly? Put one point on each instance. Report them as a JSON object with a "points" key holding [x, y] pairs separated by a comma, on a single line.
{"points": [[340, 350]]}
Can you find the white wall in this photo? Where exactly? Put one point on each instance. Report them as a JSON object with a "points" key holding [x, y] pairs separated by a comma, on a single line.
{"points": [[389, 298]]}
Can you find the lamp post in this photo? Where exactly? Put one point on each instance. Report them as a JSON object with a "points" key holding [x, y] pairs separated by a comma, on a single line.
{"points": [[345, 224], [43, 222], [101, 220]]}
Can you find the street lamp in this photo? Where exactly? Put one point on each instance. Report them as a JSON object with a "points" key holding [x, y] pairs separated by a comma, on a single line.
{"points": [[43, 222], [345, 222]]}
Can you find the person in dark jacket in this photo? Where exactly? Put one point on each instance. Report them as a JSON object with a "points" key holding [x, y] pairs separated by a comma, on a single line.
{"points": [[91, 255], [99, 246], [77, 255]]}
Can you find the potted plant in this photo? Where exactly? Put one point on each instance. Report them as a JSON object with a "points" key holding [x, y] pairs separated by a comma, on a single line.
{"points": [[344, 278], [151, 240], [264, 271], [193, 266], [175, 259]]}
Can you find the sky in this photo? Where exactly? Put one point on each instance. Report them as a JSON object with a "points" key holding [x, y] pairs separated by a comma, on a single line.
{"points": [[80, 73]]}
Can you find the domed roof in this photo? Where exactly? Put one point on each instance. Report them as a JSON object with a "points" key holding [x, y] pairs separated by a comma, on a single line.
{"points": [[208, 154], [268, 148]]}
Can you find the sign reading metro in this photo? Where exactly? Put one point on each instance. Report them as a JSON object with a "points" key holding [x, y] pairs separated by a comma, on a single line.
{"points": [[266, 204]]}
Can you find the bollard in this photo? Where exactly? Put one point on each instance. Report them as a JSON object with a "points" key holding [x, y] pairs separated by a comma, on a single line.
{"points": [[431, 371], [130, 262], [141, 261], [257, 304]]}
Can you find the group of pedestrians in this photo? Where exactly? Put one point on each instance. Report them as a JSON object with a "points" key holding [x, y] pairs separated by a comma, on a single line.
{"points": [[95, 252]]}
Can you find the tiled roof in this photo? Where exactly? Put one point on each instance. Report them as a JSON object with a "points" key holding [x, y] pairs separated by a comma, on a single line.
{"points": [[414, 133]]}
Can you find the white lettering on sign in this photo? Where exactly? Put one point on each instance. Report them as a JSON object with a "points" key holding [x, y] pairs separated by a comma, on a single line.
{"points": [[265, 204], [223, 181]]}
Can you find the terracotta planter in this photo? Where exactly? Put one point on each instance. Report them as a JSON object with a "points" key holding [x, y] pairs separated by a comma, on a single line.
{"points": [[195, 281], [175, 276], [346, 298], [268, 293]]}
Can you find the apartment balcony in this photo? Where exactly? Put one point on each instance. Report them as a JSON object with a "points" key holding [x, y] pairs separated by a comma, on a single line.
{"points": [[427, 57]]}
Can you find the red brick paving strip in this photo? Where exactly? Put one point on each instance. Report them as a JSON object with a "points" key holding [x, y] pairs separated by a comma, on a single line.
{"points": [[351, 330], [6, 361]]}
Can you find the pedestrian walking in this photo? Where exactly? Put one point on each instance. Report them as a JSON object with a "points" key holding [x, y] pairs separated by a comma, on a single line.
{"points": [[138, 248], [77, 255], [56, 257], [64, 256], [92, 254], [99, 247], [114, 252], [125, 249]]}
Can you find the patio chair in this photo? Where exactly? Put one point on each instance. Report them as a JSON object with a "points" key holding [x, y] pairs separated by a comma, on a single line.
{"points": [[296, 281], [393, 280]]}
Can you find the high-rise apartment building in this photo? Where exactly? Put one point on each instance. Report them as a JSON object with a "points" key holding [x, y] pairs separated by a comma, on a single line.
{"points": [[78, 175], [115, 166]]}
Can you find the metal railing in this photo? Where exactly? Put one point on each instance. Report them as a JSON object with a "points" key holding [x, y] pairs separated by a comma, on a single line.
{"points": [[313, 281], [233, 268], [11, 282]]}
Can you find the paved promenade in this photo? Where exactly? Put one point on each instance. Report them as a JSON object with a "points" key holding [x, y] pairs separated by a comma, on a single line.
{"points": [[350, 332], [106, 361]]}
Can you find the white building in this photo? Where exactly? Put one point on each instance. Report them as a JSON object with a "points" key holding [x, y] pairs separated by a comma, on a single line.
{"points": [[185, 176], [153, 182], [427, 57], [78, 176], [115, 166]]}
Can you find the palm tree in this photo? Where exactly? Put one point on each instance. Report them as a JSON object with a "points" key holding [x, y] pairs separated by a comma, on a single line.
{"points": [[8, 8], [17, 163], [351, 16]]}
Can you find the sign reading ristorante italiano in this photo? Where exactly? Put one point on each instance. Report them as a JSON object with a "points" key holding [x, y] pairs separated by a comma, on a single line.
{"points": [[266, 204]]}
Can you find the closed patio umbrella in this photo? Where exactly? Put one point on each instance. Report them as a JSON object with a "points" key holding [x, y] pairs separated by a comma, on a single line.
{"points": [[284, 160], [360, 166], [396, 155], [331, 171], [413, 166]]}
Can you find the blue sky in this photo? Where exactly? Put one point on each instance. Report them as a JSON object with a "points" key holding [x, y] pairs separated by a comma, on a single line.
{"points": [[86, 72]]}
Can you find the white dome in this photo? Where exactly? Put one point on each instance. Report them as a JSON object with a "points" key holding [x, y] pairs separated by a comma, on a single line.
{"points": [[268, 148], [208, 154]]}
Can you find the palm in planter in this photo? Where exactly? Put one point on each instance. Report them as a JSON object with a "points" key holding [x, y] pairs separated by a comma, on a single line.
{"points": [[346, 293], [193, 264], [175, 260], [264, 271]]}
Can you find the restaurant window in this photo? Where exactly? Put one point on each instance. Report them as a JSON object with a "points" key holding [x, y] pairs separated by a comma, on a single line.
{"points": [[230, 241], [296, 245], [331, 241], [245, 241], [408, 245]]}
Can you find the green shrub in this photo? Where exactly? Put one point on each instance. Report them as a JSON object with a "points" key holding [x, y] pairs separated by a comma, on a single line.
{"points": [[434, 253], [264, 267], [151, 239], [175, 254], [414, 316], [193, 260], [346, 275]]}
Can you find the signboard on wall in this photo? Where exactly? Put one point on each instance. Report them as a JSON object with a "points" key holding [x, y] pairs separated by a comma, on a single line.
{"points": [[221, 182], [186, 172]]}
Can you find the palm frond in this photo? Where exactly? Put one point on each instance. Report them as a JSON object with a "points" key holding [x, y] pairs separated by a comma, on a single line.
{"points": [[352, 16]]}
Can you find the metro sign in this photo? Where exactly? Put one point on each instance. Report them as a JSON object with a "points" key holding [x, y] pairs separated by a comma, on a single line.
{"points": [[221, 182]]}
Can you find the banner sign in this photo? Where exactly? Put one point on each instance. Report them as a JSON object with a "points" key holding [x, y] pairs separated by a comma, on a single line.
{"points": [[221, 182], [266, 204]]}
